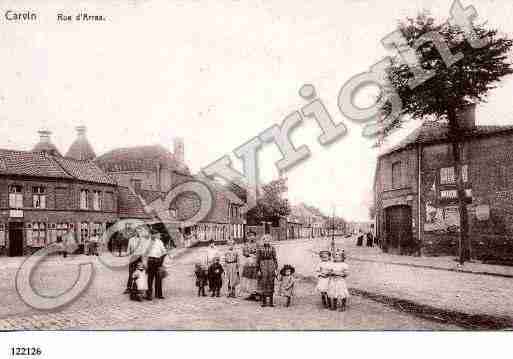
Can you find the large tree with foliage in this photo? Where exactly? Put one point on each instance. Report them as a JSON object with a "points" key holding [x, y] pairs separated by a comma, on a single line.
{"points": [[453, 88], [271, 203]]}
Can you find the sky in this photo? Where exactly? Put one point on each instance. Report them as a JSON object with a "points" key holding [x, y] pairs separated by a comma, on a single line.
{"points": [[216, 73]]}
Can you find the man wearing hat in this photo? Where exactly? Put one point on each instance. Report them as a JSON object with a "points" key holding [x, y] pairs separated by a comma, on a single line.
{"points": [[155, 258]]}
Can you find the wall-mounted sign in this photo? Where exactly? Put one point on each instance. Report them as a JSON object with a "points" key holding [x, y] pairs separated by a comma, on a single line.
{"points": [[482, 212], [16, 213], [441, 218]]}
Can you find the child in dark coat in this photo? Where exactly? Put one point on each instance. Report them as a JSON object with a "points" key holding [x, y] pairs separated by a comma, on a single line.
{"points": [[215, 277], [201, 280]]}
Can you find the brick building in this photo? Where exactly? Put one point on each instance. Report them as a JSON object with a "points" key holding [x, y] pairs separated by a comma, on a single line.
{"points": [[43, 195], [145, 167], [303, 222], [146, 173], [416, 199]]}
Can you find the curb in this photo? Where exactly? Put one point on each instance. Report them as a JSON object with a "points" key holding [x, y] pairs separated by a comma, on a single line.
{"points": [[424, 266]]}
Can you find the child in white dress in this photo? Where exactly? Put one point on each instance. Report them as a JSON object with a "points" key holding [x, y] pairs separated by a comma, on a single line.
{"points": [[337, 287], [140, 283], [323, 270]]}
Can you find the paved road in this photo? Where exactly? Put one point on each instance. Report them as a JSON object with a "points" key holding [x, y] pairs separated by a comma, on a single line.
{"points": [[104, 307]]}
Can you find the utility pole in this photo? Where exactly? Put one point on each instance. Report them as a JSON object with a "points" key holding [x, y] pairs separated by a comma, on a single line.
{"points": [[333, 232]]}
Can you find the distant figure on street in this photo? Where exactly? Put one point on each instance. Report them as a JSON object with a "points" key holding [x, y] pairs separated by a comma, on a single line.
{"points": [[249, 268], [231, 260], [267, 265], [359, 241], [211, 253], [370, 239], [215, 277], [93, 245]]}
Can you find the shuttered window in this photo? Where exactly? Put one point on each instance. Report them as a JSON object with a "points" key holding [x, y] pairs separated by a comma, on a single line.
{"points": [[397, 175]]}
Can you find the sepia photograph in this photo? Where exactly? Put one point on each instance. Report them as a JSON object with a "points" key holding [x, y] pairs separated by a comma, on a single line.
{"points": [[258, 166]]}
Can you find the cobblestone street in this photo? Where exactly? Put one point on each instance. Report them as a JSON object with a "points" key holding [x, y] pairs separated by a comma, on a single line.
{"points": [[103, 306]]}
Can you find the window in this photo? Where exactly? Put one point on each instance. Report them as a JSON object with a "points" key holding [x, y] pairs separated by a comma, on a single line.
{"points": [[84, 232], [37, 237], [396, 175], [502, 177], [62, 229], [97, 200], [38, 197], [83, 198], [15, 196], [136, 184], [464, 173], [2, 235], [447, 175]]}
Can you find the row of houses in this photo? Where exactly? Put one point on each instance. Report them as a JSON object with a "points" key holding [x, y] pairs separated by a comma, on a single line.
{"points": [[44, 194], [416, 197]]}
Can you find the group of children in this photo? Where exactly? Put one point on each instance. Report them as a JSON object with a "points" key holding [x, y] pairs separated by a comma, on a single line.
{"points": [[332, 283], [213, 277]]}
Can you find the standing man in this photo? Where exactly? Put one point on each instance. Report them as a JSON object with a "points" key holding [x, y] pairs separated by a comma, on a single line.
{"points": [[231, 269], [267, 264], [137, 246], [156, 254]]}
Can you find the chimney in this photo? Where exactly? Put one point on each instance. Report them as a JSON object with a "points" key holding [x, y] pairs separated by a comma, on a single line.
{"points": [[44, 135], [178, 150], [467, 117], [81, 131]]}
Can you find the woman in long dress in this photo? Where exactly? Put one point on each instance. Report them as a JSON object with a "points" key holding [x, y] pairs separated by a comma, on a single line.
{"points": [[267, 264], [249, 270], [231, 269], [337, 287]]}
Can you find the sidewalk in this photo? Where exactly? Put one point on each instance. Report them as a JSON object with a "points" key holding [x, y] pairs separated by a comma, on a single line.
{"points": [[374, 254], [425, 285]]}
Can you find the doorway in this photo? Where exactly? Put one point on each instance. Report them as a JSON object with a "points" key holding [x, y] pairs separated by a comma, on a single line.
{"points": [[15, 239], [398, 227]]}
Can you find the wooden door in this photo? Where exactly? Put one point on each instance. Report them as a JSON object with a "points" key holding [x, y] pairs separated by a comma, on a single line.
{"points": [[398, 227], [15, 239]]}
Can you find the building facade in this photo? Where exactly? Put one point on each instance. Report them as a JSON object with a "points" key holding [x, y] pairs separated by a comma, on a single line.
{"points": [[416, 198], [42, 196]]}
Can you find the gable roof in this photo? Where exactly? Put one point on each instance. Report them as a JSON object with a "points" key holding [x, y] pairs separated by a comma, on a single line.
{"points": [[139, 158], [84, 170], [34, 164], [432, 132]]}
